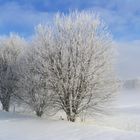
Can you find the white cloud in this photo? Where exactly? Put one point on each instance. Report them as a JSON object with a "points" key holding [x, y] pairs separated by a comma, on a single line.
{"points": [[13, 16]]}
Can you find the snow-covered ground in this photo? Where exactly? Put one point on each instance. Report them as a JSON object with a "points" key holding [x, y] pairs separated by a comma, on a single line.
{"points": [[127, 114], [124, 124]]}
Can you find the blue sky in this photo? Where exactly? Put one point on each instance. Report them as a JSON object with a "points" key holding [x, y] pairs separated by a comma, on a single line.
{"points": [[122, 17]]}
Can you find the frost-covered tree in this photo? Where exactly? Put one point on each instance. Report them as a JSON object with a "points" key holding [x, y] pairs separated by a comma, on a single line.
{"points": [[79, 54], [32, 86], [10, 49]]}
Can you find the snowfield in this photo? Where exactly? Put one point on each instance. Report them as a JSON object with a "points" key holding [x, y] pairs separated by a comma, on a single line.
{"points": [[124, 124]]}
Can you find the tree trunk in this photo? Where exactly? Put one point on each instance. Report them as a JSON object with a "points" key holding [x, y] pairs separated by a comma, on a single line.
{"points": [[71, 118], [6, 108], [39, 113], [6, 105]]}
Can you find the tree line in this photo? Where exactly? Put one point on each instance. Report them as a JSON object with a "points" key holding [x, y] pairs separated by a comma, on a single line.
{"points": [[67, 65]]}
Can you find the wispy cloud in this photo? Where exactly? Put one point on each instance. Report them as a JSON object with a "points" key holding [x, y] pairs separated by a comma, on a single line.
{"points": [[17, 18], [123, 17]]}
